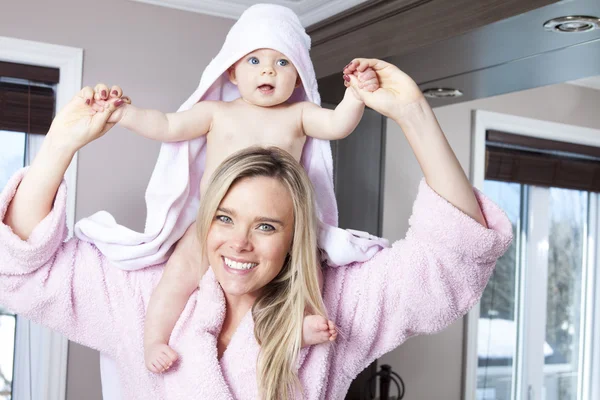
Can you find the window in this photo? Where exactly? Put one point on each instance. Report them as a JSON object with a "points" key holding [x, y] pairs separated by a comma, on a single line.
{"points": [[533, 312], [26, 107], [12, 154], [40, 355], [535, 334]]}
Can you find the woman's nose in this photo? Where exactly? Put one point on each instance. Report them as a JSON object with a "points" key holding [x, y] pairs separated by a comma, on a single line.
{"points": [[241, 242]]}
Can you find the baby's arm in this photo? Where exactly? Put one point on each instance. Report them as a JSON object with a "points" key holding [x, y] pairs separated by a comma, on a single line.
{"points": [[180, 278], [170, 127], [322, 123]]}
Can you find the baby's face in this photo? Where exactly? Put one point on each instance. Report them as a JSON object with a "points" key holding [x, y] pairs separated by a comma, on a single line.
{"points": [[265, 77]]}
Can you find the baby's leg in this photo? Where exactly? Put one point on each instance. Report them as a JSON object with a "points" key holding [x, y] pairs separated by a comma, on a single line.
{"points": [[180, 278]]}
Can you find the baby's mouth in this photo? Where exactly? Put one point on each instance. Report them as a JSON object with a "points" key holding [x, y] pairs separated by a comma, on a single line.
{"points": [[266, 88]]}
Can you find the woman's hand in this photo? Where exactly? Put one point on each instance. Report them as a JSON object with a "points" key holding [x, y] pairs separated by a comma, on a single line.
{"points": [[395, 90], [86, 117]]}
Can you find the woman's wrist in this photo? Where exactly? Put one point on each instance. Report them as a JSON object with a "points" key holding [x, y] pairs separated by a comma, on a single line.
{"points": [[414, 114], [58, 150], [59, 145]]}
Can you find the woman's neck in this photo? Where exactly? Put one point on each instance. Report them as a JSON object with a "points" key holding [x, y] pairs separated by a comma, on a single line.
{"points": [[235, 309], [237, 306]]}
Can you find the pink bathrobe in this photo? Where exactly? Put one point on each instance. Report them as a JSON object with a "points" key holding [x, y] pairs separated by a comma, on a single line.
{"points": [[420, 285]]}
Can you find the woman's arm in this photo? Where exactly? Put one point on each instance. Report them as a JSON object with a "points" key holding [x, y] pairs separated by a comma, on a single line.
{"points": [[73, 127], [400, 99], [421, 284], [433, 277], [68, 286]]}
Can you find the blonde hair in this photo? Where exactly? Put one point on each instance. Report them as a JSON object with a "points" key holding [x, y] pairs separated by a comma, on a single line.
{"points": [[279, 311]]}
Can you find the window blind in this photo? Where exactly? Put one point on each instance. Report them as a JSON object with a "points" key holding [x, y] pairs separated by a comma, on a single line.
{"points": [[27, 97], [542, 162]]}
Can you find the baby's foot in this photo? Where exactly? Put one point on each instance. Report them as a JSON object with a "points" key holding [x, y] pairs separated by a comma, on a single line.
{"points": [[159, 357], [317, 329]]}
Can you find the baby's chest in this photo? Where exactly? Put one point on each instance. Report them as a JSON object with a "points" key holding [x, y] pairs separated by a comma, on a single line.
{"points": [[242, 128], [262, 133]]}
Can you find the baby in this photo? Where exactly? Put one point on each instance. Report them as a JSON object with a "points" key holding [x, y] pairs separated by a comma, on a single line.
{"points": [[262, 116]]}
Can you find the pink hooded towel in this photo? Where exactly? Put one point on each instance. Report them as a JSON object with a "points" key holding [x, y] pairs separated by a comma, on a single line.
{"points": [[173, 193]]}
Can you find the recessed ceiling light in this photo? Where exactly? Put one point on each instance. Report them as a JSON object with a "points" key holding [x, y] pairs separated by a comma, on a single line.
{"points": [[442, 93], [572, 24]]}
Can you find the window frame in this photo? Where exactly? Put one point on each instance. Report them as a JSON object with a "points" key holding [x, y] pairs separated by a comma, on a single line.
{"points": [[482, 121], [40, 368]]}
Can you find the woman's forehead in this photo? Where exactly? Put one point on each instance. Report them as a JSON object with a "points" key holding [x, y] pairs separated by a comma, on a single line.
{"points": [[259, 195]]}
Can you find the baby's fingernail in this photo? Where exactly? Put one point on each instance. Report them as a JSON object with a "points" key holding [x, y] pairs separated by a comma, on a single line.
{"points": [[88, 101], [118, 102], [115, 93], [346, 78], [104, 93]]}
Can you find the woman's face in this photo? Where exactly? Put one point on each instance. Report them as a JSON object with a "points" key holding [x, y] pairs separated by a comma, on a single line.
{"points": [[251, 235]]}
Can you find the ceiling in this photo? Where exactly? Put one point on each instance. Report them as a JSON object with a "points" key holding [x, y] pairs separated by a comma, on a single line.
{"points": [[309, 11], [508, 55]]}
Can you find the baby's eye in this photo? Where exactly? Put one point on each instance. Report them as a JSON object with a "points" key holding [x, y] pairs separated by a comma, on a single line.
{"points": [[253, 60], [282, 62], [266, 227], [223, 218]]}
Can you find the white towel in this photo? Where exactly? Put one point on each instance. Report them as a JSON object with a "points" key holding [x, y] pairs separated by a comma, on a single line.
{"points": [[173, 193]]}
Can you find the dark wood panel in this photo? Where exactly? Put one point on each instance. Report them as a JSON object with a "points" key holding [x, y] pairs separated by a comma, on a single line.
{"points": [[358, 175], [359, 172], [383, 29], [363, 15]]}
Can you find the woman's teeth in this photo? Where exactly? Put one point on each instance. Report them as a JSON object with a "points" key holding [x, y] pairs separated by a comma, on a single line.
{"points": [[238, 265]]}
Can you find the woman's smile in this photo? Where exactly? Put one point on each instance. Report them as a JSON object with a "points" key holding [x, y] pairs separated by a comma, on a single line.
{"points": [[238, 267]]}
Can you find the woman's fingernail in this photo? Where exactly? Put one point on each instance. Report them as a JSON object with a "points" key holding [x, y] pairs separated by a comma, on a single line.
{"points": [[104, 93], [88, 102], [346, 78], [115, 93], [118, 102]]}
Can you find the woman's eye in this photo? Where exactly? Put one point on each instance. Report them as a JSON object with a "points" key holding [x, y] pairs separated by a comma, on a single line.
{"points": [[266, 227], [223, 218], [282, 63], [253, 60]]}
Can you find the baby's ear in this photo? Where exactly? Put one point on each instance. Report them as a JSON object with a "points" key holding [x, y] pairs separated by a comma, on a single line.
{"points": [[231, 74]]}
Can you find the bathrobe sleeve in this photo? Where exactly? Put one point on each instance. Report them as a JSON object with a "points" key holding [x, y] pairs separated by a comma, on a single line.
{"points": [[66, 286], [422, 283]]}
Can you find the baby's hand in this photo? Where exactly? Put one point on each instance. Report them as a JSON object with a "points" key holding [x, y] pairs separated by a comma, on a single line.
{"points": [[159, 357], [360, 81], [103, 97]]}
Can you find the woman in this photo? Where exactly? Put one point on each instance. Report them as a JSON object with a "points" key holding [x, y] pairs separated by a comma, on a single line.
{"points": [[260, 214]]}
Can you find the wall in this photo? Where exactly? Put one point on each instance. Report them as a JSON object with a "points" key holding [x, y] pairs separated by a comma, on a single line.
{"points": [[431, 366], [157, 55]]}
